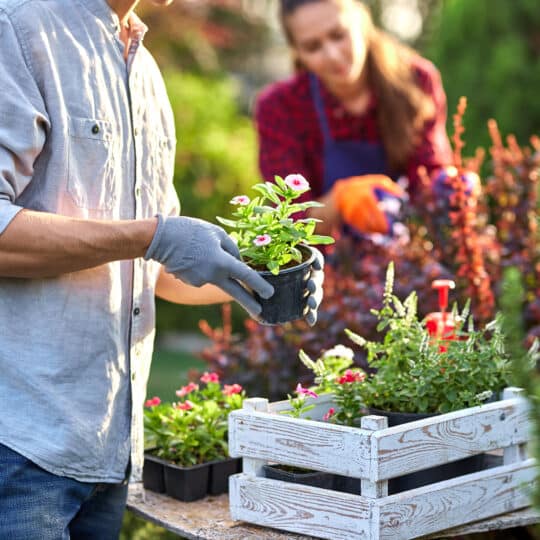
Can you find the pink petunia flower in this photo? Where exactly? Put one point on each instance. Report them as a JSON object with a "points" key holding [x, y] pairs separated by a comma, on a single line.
{"points": [[240, 200], [185, 406], [230, 389], [297, 182], [152, 402], [187, 389], [262, 240], [329, 414], [351, 376], [209, 377], [306, 391]]}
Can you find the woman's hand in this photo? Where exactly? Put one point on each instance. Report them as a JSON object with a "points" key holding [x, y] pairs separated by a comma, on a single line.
{"points": [[328, 214]]}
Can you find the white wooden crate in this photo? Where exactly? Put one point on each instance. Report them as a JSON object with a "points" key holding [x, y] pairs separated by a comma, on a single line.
{"points": [[374, 453]]}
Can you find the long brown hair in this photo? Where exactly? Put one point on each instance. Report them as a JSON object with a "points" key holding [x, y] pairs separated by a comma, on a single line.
{"points": [[402, 107]]}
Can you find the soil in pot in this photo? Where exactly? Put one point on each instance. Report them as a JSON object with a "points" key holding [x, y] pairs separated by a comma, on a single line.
{"points": [[218, 480], [299, 476], [435, 474], [187, 483], [153, 475], [288, 302]]}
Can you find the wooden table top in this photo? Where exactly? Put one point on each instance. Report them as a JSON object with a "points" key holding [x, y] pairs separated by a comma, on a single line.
{"points": [[209, 519]]}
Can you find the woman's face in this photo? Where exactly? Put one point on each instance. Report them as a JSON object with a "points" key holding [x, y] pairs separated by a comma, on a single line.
{"points": [[326, 36]]}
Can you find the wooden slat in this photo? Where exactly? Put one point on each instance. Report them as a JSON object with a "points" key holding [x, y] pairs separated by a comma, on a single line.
{"points": [[302, 443], [447, 504], [322, 404], [426, 443], [300, 509]]}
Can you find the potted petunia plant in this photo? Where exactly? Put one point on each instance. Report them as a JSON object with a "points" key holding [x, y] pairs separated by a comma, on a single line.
{"points": [[187, 454], [275, 242]]}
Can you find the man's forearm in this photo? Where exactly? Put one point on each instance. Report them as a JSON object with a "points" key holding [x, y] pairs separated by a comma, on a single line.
{"points": [[172, 289], [39, 245]]}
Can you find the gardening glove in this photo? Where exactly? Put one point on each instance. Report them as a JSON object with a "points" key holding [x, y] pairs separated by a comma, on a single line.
{"points": [[198, 252], [315, 287], [444, 181], [369, 203]]}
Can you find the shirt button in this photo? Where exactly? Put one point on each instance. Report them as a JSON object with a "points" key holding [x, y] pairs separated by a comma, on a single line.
{"points": [[136, 311], [95, 129], [138, 191], [136, 131], [133, 376]]}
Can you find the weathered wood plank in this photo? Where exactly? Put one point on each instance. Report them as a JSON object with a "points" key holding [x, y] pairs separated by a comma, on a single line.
{"points": [[454, 502], [321, 406], [303, 443], [249, 465], [520, 518], [370, 489], [300, 509], [432, 441]]}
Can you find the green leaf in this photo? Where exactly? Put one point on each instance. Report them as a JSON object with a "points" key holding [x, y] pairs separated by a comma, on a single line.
{"points": [[320, 239], [227, 222], [273, 266]]}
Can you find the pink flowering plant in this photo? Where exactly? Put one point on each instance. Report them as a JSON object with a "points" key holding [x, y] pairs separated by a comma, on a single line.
{"points": [[265, 229], [414, 372], [193, 429]]}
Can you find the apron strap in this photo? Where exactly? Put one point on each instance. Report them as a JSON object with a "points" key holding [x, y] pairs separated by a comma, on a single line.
{"points": [[315, 88]]}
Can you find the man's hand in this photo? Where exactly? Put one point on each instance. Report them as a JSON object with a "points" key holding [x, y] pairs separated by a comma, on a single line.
{"points": [[315, 287], [368, 203], [198, 252]]}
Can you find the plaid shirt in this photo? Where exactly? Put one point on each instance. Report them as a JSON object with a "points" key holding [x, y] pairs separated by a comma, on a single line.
{"points": [[290, 139]]}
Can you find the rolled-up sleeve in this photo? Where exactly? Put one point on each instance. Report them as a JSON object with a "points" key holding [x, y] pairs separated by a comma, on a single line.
{"points": [[23, 121]]}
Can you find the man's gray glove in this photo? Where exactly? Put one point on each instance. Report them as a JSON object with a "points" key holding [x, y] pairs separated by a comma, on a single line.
{"points": [[315, 287], [198, 252]]}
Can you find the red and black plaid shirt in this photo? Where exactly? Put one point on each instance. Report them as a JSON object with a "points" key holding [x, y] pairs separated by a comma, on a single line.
{"points": [[290, 139]]}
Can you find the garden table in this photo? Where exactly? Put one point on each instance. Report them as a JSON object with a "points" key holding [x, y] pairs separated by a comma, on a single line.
{"points": [[208, 519]]}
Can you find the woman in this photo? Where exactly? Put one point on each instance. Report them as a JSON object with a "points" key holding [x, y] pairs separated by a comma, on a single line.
{"points": [[360, 104]]}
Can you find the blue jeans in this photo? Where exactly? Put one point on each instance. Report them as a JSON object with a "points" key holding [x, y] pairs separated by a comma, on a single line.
{"points": [[37, 505]]}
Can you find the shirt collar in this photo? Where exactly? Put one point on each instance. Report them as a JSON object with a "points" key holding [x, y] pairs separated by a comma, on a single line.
{"points": [[104, 12]]}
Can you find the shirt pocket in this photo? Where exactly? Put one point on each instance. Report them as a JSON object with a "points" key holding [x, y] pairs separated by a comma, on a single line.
{"points": [[91, 164]]}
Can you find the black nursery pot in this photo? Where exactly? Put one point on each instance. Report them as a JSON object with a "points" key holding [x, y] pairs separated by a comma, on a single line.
{"points": [[308, 478], [187, 483], [435, 474], [218, 481], [153, 475], [288, 302]]}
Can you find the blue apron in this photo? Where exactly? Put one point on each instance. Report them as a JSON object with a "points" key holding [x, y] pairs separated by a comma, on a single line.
{"points": [[342, 159]]}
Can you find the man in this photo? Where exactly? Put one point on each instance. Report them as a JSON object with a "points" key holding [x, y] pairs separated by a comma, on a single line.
{"points": [[89, 232]]}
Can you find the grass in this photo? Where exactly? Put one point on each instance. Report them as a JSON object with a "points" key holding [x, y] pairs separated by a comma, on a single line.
{"points": [[170, 371]]}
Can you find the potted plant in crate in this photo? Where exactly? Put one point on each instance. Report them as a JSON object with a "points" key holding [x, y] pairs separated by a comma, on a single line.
{"points": [[188, 440], [297, 475], [418, 374], [276, 244]]}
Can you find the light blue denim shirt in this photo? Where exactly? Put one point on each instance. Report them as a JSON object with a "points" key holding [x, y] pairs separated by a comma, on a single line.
{"points": [[81, 135]]}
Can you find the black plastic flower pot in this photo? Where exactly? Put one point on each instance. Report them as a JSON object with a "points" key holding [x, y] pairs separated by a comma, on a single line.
{"points": [[435, 474], [187, 483], [346, 484], [288, 303], [218, 481], [307, 478], [153, 475]]}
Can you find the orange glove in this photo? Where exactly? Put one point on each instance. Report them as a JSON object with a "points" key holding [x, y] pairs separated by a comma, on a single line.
{"points": [[369, 202]]}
